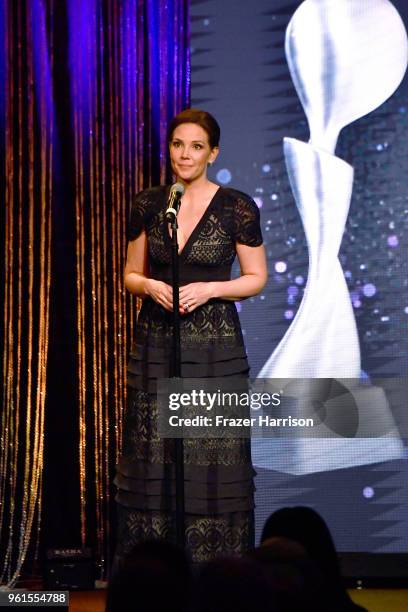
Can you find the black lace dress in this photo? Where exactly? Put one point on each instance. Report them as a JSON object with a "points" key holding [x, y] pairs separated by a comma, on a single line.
{"points": [[218, 472]]}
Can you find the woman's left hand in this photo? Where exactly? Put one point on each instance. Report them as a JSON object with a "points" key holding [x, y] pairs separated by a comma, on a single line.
{"points": [[194, 295]]}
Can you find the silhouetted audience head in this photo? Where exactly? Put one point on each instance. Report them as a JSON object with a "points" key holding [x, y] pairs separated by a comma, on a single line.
{"points": [[296, 581], [306, 527], [233, 585], [154, 576], [295, 568]]}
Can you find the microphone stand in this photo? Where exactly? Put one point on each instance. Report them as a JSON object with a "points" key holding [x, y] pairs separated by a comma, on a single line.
{"points": [[176, 373]]}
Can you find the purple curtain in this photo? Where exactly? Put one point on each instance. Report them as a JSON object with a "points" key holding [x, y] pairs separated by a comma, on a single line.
{"points": [[88, 89]]}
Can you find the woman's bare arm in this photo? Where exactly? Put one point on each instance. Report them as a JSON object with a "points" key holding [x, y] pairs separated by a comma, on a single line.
{"points": [[136, 279], [254, 274]]}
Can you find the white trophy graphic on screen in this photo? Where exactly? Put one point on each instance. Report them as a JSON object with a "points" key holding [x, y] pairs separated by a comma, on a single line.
{"points": [[346, 57]]}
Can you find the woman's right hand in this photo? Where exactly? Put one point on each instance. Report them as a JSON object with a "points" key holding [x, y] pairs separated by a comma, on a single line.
{"points": [[160, 292]]}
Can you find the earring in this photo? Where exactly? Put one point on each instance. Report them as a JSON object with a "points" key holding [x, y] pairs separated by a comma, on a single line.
{"points": [[210, 164]]}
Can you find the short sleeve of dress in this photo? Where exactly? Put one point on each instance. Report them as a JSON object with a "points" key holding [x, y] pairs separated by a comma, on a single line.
{"points": [[138, 212], [247, 226]]}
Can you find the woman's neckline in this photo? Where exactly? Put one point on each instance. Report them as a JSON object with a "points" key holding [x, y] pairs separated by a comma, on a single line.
{"points": [[197, 228]]}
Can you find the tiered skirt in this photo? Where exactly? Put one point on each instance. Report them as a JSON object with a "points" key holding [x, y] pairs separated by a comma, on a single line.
{"points": [[218, 472]]}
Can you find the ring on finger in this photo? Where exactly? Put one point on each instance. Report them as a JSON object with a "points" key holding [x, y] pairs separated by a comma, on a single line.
{"points": [[186, 306]]}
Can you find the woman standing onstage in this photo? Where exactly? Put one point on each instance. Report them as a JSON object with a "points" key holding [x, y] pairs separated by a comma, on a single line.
{"points": [[215, 224]]}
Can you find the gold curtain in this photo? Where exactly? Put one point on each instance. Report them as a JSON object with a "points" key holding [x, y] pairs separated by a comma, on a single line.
{"points": [[27, 279], [128, 69]]}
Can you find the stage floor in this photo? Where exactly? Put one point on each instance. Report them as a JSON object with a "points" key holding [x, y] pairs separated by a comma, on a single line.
{"points": [[375, 600]]}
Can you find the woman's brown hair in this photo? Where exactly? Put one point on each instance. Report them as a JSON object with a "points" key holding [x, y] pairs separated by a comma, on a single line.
{"points": [[201, 118]]}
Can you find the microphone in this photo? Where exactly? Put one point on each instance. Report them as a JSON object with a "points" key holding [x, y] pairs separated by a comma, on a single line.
{"points": [[173, 203]]}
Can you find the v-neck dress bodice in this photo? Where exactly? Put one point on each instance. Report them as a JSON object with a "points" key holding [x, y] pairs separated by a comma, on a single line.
{"points": [[209, 252], [197, 228], [218, 472]]}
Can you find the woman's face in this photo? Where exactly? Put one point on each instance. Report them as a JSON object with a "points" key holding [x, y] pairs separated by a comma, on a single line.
{"points": [[190, 152]]}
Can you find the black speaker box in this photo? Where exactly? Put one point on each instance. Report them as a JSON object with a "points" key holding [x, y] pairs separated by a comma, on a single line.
{"points": [[69, 569]]}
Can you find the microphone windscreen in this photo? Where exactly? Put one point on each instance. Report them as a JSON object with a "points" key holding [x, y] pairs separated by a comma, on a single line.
{"points": [[177, 188]]}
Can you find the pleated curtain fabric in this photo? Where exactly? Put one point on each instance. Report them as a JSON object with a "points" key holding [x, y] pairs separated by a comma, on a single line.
{"points": [[88, 88]]}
